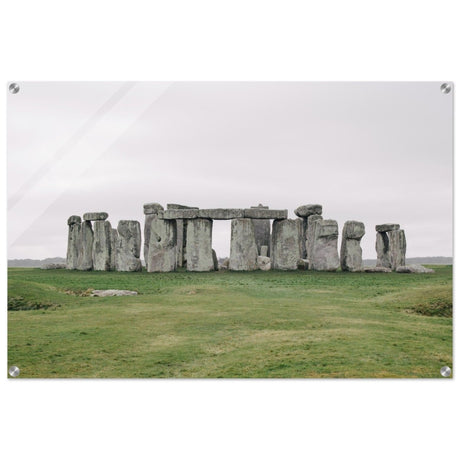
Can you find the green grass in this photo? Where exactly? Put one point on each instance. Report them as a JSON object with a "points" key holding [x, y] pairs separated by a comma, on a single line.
{"points": [[224, 324]]}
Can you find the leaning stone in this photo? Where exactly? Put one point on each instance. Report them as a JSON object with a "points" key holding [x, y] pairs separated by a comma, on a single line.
{"points": [[264, 263], [264, 250], [85, 258], [199, 248], [152, 208], [102, 249], [308, 210], [285, 250], [324, 255], [382, 247], [351, 254], [397, 239], [73, 242], [386, 227], [95, 216], [128, 248], [415, 268], [111, 292], [215, 260], [258, 213], [377, 270], [243, 248]]}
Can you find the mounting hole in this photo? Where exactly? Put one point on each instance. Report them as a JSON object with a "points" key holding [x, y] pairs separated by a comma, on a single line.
{"points": [[446, 88], [14, 371], [446, 371], [14, 88]]}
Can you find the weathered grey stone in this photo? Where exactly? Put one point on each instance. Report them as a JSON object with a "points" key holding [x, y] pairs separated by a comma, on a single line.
{"points": [[199, 245], [74, 220], [85, 258], [258, 213], [179, 206], [180, 214], [303, 226], [113, 245], [264, 251], [285, 250], [264, 263], [397, 240], [386, 227], [351, 259], [243, 248], [224, 264], [377, 270], [152, 208], [262, 231], [73, 242], [310, 234], [215, 260], [308, 210], [324, 255], [382, 247], [128, 246], [220, 214], [302, 264], [111, 292], [102, 249], [414, 268], [162, 245], [95, 216], [53, 266]]}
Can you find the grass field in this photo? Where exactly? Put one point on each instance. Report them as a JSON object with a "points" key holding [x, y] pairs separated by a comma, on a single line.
{"points": [[224, 324]]}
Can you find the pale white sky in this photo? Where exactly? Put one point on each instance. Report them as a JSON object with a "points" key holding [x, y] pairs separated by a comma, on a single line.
{"points": [[373, 152]]}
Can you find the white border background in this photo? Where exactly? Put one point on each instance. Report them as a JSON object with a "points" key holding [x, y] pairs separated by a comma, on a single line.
{"points": [[237, 40]]}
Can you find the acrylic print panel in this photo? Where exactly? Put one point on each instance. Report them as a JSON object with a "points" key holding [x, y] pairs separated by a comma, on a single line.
{"points": [[254, 229]]}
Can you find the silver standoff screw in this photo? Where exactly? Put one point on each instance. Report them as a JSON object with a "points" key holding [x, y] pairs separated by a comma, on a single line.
{"points": [[14, 371], [446, 88], [446, 371], [14, 88]]}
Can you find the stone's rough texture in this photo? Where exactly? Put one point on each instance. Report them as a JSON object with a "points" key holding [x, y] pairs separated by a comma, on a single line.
{"points": [[415, 268], [262, 232], [264, 263], [220, 214], [397, 240], [263, 250], [324, 255], [377, 270], [162, 246], [111, 292], [95, 216], [351, 254], [260, 213], [73, 243], [386, 227], [243, 248], [113, 245], [199, 249], [215, 260], [85, 258], [382, 247], [74, 220], [303, 225], [179, 206], [308, 210], [302, 264], [102, 249], [285, 250], [310, 234], [128, 247], [224, 264], [53, 266], [152, 208]]}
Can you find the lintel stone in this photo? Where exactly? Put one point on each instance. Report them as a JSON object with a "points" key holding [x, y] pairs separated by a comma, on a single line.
{"points": [[95, 216]]}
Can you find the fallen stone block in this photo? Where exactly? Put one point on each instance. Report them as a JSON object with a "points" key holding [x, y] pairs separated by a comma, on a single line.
{"points": [[414, 268], [111, 292], [264, 263]]}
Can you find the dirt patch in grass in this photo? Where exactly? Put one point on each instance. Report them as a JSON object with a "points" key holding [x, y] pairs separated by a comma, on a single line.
{"points": [[20, 304], [433, 307]]}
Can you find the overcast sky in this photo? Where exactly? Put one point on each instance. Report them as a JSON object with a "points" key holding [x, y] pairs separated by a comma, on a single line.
{"points": [[372, 152]]}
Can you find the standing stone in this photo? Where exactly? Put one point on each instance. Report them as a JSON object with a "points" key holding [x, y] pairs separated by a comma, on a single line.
{"points": [[285, 244], [310, 234], [102, 250], [264, 263], [304, 212], [85, 259], [199, 245], [73, 242], [382, 247], [262, 231], [243, 247], [325, 256], [351, 254], [215, 260], [162, 246], [264, 251], [113, 245], [128, 246], [150, 210], [397, 240]]}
